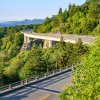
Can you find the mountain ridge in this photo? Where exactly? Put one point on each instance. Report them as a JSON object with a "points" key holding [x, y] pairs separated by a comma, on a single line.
{"points": [[23, 22]]}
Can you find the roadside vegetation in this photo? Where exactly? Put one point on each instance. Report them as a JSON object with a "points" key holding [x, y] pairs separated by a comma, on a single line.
{"points": [[86, 78]]}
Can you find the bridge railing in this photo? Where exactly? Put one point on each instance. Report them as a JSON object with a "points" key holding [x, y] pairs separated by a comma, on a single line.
{"points": [[33, 79]]}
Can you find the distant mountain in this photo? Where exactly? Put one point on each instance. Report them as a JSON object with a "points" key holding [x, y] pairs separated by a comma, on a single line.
{"points": [[24, 22]]}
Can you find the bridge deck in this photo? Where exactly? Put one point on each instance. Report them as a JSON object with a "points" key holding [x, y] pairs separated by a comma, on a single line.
{"points": [[56, 37]]}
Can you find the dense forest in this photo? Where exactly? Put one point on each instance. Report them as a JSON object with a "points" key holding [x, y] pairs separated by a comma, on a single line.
{"points": [[81, 20], [16, 65]]}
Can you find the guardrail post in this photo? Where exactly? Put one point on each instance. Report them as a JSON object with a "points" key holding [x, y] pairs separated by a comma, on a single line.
{"points": [[53, 72], [26, 81], [36, 78], [10, 87], [72, 66], [45, 75], [22, 82], [60, 70]]}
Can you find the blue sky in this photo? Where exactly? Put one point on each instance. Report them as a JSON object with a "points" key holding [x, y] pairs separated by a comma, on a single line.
{"points": [[30, 9]]}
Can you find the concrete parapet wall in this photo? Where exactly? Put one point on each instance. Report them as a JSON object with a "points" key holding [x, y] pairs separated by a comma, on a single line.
{"points": [[56, 37]]}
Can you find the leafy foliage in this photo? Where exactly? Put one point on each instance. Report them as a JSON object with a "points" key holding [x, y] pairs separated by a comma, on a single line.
{"points": [[11, 41], [34, 63], [86, 78]]}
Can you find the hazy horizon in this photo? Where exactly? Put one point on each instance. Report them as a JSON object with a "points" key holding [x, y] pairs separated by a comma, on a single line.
{"points": [[18, 20]]}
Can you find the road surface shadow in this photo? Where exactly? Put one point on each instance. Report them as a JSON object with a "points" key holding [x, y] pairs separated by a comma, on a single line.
{"points": [[29, 89]]}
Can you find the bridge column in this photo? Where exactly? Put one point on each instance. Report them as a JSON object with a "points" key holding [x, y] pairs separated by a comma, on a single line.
{"points": [[26, 39], [47, 43], [50, 43]]}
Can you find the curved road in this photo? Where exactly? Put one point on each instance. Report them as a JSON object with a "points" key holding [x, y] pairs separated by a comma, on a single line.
{"points": [[45, 90], [72, 38]]}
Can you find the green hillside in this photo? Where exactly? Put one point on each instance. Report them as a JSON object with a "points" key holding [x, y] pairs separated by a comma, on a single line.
{"points": [[16, 65], [82, 20]]}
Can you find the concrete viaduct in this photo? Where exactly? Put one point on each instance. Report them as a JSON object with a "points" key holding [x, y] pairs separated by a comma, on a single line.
{"points": [[50, 37]]}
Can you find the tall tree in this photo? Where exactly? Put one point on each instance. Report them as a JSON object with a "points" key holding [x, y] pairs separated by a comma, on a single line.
{"points": [[34, 64], [60, 11]]}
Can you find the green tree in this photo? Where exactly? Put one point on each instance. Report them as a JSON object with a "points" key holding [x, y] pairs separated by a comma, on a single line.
{"points": [[1, 78], [96, 31], [16, 64], [60, 11], [80, 50], [34, 64]]}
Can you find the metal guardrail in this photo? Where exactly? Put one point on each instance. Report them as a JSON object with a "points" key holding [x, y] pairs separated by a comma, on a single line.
{"points": [[37, 78]]}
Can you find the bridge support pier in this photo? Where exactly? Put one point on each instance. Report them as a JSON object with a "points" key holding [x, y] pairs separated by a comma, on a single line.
{"points": [[26, 39], [50, 43], [47, 43]]}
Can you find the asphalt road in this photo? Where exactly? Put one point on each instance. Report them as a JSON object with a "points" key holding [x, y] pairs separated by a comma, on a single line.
{"points": [[45, 90]]}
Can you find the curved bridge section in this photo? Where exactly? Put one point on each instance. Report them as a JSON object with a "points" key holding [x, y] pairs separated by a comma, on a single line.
{"points": [[50, 37]]}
